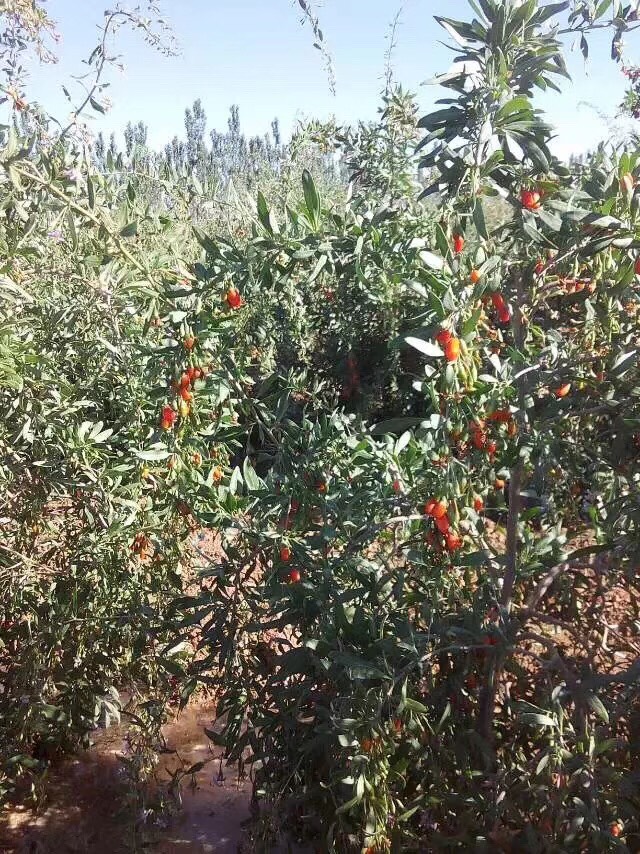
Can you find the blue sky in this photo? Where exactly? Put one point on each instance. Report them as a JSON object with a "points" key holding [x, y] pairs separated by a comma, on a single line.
{"points": [[256, 54]]}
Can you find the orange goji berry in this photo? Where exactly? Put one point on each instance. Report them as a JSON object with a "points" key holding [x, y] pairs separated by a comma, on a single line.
{"points": [[563, 390]]}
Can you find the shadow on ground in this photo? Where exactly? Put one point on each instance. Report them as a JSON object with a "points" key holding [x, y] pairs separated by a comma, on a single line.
{"points": [[86, 809]]}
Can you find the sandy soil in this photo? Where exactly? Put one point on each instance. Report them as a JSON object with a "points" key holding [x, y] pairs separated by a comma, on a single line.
{"points": [[86, 811]]}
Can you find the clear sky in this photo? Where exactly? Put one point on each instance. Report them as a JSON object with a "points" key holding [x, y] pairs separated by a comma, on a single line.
{"points": [[254, 53]]}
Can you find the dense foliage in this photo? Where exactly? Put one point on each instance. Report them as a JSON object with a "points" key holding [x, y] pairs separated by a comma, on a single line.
{"points": [[410, 428]]}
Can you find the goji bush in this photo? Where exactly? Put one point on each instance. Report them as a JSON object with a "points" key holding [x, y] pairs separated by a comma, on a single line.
{"points": [[411, 428], [410, 667]]}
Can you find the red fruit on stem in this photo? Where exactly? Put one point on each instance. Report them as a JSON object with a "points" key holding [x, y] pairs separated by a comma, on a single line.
{"points": [[443, 337], [458, 243], [478, 504], [475, 277], [233, 298], [479, 439], [452, 541], [452, 350], [168, 417], [443, 524], [294, 576], [285, 554], [428, 507], [439, 509], [563, 390], [530, 199]]}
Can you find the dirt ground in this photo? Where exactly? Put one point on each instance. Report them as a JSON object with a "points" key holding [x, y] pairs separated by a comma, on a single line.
{"points": [[85, 810]]}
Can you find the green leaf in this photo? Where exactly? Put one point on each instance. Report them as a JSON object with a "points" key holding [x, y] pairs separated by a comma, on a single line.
{"points": [[311, 198], [471, 322], [435, 262], [205, 241], [479, 220], [551, 220], [130, 229], [542, 764], [102, 436], [438, 118], [415, 706], [518, 104], [236, 481], [157, 453], [552, 9], [72, 229], [536, 153], [91, 193], [359, 668], [489, 265], [623, 363], [446, 713], [426, 347], [263, 213], [605, 746], [596, 705], [536, 719], [320, 265], [348, 805], [251, 479], [402, 443], [459, 31], [584, 46]]}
